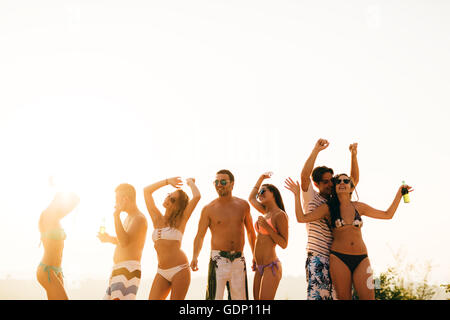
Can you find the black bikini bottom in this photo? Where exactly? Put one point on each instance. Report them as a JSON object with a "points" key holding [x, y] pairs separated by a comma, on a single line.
{"points": [[351, 261]]}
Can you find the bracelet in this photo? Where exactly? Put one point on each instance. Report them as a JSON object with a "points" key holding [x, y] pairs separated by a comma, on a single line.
{"points": [[257, 188]]}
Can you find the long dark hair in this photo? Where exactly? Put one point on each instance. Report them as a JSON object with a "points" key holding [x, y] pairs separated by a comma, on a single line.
{"points": [[333, 203], [276, 194], [181, 204]]}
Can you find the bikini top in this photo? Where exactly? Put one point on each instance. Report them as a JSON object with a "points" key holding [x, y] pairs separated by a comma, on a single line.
{"points": [[54, 234], [263, 230], [357, 221], [167, 233]]}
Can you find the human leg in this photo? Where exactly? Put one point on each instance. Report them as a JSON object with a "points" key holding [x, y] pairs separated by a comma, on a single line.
{"points": [[218, 275], [318, 278], [270, 281], [238, 282], [180, 284], [363, 281], [124, 281], [160, 288], [256, 285], [341, 277], [51, 279]]}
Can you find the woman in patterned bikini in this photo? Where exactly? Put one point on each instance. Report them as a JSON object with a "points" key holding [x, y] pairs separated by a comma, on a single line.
{"points": [[272, 230], [349, 263], [49, 273]]}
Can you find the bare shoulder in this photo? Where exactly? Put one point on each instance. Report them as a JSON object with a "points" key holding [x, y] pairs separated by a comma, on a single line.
{"points": [[209, 205], [281, 216], [360, 206], [241, 202]]}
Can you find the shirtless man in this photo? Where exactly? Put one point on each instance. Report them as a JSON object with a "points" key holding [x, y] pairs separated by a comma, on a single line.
{"points": [[226, 217], [130, 240]]}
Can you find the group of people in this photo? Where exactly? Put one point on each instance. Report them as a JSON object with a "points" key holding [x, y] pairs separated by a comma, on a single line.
{"points": [[336, 254]]}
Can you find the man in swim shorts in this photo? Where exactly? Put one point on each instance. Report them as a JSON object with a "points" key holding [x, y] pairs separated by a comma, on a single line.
{"points": [[226, 217], [126, 274]]}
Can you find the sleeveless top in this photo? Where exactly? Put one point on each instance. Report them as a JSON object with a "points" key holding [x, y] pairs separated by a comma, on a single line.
{"points": [[167, 233]]}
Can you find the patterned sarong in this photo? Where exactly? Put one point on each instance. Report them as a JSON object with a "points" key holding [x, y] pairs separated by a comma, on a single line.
{"points": [[124, 281]]}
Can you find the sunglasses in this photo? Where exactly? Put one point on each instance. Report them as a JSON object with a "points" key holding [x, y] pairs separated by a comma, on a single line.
{"points": [[260, 193], [171, 199], [339, 181], [223, 182]]}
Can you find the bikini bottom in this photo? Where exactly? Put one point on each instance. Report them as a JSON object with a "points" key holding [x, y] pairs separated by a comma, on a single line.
{"points": [[352, 261], [168, 274], [273, 264], [48, 268]]}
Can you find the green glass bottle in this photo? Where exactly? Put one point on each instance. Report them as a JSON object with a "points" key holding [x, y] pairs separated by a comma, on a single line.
{"points": [[405, 193], [102, 226]]}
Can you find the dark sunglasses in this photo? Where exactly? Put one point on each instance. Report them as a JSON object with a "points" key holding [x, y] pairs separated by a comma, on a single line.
{"points": [[339, 181], [171, 199], [223, 182], [260, 193]]}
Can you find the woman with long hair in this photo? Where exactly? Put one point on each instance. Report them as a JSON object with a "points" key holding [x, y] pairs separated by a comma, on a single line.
{"points": [[173, 273], [349, 263], [272, 229], [49, 272]]}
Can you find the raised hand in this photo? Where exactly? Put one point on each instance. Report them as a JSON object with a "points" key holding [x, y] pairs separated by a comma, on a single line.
{"points": [[321, 144], [175, 182], [409, 188], [263, 223], [266, 175], [190, 181], [292, 186]]}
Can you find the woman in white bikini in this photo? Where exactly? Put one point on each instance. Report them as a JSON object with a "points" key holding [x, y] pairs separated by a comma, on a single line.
{"points": [[272, 230], [49, 272], [173, 273]]}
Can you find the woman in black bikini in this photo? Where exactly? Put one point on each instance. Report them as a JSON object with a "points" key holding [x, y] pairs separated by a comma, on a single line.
{"points": [[272, 230], [349, 263]]}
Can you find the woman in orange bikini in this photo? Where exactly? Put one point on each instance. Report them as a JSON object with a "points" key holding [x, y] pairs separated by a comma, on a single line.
{"points": [[349, 263], [272, 230], [49, 272]]}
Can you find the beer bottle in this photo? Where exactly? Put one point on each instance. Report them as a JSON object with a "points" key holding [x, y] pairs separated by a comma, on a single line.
{"points": [[405, 193]]}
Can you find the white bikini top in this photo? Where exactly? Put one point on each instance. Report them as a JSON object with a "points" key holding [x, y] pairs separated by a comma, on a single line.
{"points": [[167, 233]]}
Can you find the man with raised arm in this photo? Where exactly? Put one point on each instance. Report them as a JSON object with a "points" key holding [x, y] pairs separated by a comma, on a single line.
{"points": [[126, 274], [319, 233], [226, 217]]}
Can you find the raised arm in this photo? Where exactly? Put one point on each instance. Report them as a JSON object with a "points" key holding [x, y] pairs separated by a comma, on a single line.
{"points": [[319, 213], [154, 212], [195, 199], [253, 198], [367, 210], [203, 225], [62, 204], [308, 167], [354, 169]]}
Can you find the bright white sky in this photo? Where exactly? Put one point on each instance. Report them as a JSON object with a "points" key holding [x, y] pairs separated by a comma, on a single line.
{"points": [[96, 93]]}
